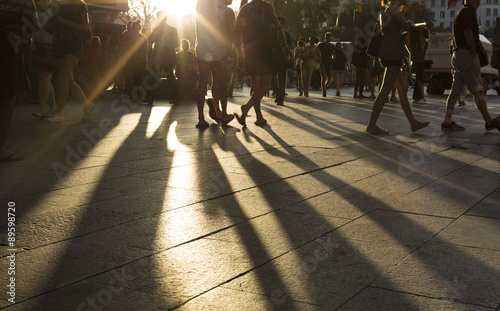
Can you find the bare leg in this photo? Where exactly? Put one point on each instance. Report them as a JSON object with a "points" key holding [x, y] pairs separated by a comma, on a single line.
{"points": [[63, 80], [450, 107], [390, 76], [201, 91], [402, 88], [481, 105], [45, 93], [260, 84]]}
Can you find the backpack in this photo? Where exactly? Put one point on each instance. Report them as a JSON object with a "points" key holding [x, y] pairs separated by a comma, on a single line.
{"points": [[258, 25]]}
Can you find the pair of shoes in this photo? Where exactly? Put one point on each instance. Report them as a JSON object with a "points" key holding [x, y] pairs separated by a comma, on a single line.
{"points": [[324, 93], [376, 130], [420, 126], [55, 118], [260, 123], [494, 124], [451, 127], [337, 94], [394, 100], [420, 101], [12, 157], [87, 110], [211, 109], [227, 120], [202, 124]]}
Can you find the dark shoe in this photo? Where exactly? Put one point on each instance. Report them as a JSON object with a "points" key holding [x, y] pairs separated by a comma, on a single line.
{"points": [[451, 127], [376, 130], [324, 93], [211, 109], [201, 125], [494, 124], [228, 119], [280, 102], [260, 123], [240, 120], [300, 93], [337, 94], [420, 126]]}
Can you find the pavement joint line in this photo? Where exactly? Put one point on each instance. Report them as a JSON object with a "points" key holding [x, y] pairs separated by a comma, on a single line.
{"points": [[467, 246], [417, 214], [427, 296]]}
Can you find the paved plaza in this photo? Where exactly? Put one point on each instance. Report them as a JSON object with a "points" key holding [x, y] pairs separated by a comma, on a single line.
{"points": [[138, 210]]}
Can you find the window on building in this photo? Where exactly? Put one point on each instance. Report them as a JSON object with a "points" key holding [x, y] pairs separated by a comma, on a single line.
{"points": [[433, 3], [441, 24], [443, 3], [488, 1], [433, 15], [451, 25], [488, 24], [495, 12], [488, 12], [495, 1], [442, 14], [452, 13]]}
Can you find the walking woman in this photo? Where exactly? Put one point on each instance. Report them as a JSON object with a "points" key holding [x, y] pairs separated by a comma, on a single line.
{"points": [[391, 56], [309, 56], [72, 29]]}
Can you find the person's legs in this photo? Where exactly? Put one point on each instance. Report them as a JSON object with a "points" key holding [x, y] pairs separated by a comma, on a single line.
{"points": [[405, 104], [260, 85], [220, 79], [390, 77], [281, 84], [64, 78], [201, 91], [45, 93], [307, 74], [483, 108], [300, 85]]}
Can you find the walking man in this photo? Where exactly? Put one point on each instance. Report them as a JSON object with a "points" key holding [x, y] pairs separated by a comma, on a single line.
{"points": [[466, 69], [327, 52]]}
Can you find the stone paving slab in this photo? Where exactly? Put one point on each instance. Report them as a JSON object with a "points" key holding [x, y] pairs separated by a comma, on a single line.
{"points": [[306, 213]]}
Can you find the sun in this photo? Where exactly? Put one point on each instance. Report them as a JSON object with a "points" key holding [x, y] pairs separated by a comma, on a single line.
{"points": [[179, 8]]}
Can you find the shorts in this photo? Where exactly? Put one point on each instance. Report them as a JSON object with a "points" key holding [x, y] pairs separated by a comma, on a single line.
{"points": [[392, 63], [259, 61], [325, 69], [13, 78], [466, 72], [337, 75], [71, 47]]}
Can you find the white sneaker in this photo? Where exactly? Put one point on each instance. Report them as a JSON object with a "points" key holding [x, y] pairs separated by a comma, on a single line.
{"points": [[55, 119], [420, 101]]}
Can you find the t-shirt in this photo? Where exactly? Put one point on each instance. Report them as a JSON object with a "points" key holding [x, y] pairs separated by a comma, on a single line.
{"points": [[71, 10], [466, 18], [14, 14], [326, 50]]}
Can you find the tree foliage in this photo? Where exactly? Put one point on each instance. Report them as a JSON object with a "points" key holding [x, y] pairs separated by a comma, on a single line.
{"points": [[307, 18]]}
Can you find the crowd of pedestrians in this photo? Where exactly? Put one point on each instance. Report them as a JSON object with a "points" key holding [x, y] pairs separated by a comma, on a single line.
{"points": [[265, 50]]}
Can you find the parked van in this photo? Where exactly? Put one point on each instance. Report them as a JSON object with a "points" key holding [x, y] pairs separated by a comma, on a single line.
{"points": [[440, 77]]}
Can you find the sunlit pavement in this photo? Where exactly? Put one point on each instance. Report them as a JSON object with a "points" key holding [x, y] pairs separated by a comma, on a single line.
{"points": [[139, 210]]}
